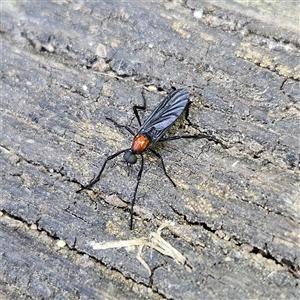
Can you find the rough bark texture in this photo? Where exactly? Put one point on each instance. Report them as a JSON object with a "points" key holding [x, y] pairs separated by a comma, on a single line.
{"points": [[235, 215]]}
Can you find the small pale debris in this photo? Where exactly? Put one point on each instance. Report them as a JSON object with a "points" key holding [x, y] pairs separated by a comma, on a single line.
{"points": [[101, 51], [114, 44], [142, 261], [33, 227], [114, 200], [227, 238], [30, 141], [152, 88], [235, 163], [198, 13], [61, 243], [85, 256], [49, 46], [118, 244], [37, 45], [154, 241], [247, 247], [101, 65], [91, 194]]}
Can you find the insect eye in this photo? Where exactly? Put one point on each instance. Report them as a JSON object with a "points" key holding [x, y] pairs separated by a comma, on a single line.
{"points": [[130, 157]]}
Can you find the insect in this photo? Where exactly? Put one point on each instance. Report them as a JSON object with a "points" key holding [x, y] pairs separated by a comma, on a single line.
{"points": [[151, 131]]}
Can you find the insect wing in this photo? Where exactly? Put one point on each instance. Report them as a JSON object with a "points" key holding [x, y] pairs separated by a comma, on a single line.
{"points": [[165, 114]]}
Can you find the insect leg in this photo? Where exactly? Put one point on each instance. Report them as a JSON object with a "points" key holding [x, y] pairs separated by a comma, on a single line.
{"points": [[197, 136], [97, 178], [135, 191], [163, 165], [121, 126], [136, 107]]}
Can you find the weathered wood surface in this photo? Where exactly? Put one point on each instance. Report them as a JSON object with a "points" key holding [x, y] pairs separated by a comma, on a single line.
{"points": [[235, 210]]}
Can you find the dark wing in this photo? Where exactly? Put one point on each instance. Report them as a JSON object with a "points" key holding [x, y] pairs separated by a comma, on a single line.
{"points": [[164, 115]]}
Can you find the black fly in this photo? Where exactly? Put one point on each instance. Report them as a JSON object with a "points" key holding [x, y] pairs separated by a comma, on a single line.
{"points": [[151, 131]]}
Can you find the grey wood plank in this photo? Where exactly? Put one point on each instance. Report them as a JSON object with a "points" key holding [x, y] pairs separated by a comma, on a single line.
{"points": [[67, 66]]}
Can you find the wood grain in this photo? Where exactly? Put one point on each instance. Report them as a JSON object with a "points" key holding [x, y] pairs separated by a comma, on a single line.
{"points": [[235, 212]]}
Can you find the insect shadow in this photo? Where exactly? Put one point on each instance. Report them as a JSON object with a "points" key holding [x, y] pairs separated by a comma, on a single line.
{"points": [[151, 131]]}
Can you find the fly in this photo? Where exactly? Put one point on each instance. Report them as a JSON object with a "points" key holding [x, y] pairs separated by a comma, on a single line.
{"points": [[151, 131]]}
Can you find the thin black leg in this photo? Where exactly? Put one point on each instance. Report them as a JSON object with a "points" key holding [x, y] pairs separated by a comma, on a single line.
{"points": [[136, 107], [121, 126], [198, 136], [97, 178], [135, 191], [163, 165]]}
